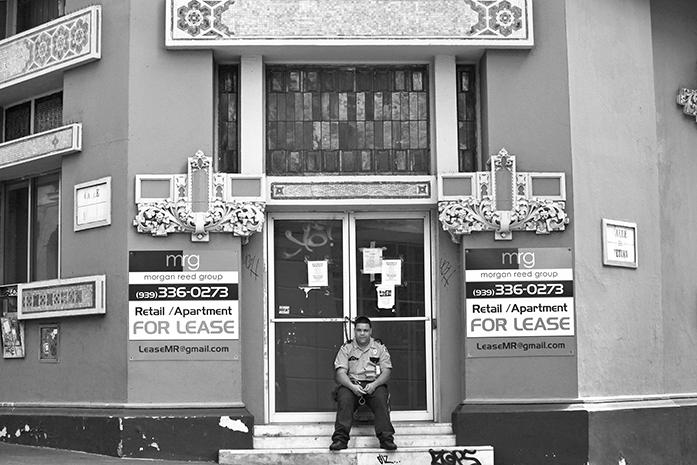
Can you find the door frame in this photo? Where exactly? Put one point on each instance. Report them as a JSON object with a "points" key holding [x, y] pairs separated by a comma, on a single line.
{"points": [[348, 219]]}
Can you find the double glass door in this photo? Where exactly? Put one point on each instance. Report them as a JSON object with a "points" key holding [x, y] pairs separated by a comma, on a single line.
{"points": [[327, 269]]}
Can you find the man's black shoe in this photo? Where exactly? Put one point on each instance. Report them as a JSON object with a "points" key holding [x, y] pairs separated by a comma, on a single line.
{"points": [[388, 444], [338, 445]]}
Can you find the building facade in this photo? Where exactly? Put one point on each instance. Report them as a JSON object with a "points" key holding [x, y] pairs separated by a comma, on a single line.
{"points": [[198, 196]]}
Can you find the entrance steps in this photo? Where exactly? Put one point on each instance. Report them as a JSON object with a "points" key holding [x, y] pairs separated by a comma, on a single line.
{"points": [[308, 444]]}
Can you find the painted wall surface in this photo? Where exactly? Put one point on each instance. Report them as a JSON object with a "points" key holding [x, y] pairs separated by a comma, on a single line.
{"points": [[675, 66], [92, 366], [253, 296], [615, 167], [524, 98], [170, 118]]}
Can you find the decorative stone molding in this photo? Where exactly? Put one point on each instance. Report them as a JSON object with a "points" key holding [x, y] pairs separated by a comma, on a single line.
{"points": [[60, 141], [184, 211], [387, 190], [475, 208], [687, 98], [258, 22], [66, 42]]}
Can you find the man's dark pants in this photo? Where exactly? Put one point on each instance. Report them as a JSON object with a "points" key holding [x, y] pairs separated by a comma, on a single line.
{"points": [[347, 402]]}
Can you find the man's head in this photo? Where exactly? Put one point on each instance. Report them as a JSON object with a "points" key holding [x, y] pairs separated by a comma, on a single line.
{"points": [[362, 330]]}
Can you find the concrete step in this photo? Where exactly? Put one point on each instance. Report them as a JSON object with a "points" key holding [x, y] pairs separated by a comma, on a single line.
{"points": [[358, 442], [404, 456], [326, 429]]}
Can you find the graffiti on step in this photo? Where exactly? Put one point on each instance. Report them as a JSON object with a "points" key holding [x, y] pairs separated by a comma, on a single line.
{"points": [[383, 459], [452, 457]]}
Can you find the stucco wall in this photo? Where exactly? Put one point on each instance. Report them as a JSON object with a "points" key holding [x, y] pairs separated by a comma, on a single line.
{"points": [[674, 27], [615, 167], [170, 118], [525, 102]]}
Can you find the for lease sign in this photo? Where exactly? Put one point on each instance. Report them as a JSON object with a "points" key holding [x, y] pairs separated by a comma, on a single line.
{"points": [[519, 302]]}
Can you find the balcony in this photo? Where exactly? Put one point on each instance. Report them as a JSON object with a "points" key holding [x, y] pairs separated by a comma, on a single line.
{"points": [[60, 141], [69, 41]]}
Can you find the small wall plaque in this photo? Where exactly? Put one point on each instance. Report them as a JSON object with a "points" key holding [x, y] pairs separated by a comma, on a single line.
{"points": [[61, 297], [49, 339], [619, 243], [92, 204]]}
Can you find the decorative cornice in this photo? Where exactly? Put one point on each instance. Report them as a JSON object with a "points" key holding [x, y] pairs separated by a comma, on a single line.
{"points": [[60, 141], [259, 22], [63, 43], [687, 98], [175, 213], [477, 210]]}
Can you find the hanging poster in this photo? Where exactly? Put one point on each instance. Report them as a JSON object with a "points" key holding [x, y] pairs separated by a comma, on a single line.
{"points": [[372, 260], [318, 273], [392, 271], [12, 336], [385, 296], [49, 339]]}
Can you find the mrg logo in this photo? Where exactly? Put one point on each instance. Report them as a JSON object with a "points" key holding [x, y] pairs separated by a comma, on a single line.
{"points": [[190, 262], [527, 259]]}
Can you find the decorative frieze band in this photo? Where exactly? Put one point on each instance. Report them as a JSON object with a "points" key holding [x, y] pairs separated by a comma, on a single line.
{"points": [[60, 141], [475, 205], [350, 190], [63, 43], [237, 22], [687, 98]]}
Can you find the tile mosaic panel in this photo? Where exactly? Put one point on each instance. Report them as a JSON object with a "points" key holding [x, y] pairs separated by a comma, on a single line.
{"points": [[195, 21], [350, 190], [60, 141], [65, 42]]}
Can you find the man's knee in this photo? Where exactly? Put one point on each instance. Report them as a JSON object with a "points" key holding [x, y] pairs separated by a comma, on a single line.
{"points": [[344, 396]]}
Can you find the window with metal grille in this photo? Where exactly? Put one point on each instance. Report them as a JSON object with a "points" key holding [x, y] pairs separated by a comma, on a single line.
{"points": [[347, 120], [466, 118], [33, 116], [228, 95]]}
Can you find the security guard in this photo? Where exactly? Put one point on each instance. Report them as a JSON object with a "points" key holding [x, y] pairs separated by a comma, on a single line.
{"points": [[363, 367]]}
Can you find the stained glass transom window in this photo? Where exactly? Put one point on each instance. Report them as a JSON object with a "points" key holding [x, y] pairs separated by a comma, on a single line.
{"points": [[348, 120], [466, 118]]}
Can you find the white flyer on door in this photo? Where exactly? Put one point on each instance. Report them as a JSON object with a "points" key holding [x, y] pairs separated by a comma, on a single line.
{"points": [[317, 273], [392, 271], [372, 261], [385, 295]]}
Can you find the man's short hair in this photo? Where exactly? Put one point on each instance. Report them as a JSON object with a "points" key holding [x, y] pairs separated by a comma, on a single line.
{"points": [[363, 319]]}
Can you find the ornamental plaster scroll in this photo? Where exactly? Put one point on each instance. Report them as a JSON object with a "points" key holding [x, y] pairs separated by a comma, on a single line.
{"points": [[176, 213], [477, 210], [197, 21], [687, 98]]}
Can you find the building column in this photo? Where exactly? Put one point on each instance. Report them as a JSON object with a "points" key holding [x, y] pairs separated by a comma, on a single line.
{"points": [[251, 114], [444, 119]]}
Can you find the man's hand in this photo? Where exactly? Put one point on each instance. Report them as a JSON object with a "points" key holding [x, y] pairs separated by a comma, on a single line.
{"points": [[358, 389], [369, 388]]}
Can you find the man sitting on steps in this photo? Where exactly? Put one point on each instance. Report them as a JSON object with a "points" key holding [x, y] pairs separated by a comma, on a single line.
{"points": [[363, 367]]}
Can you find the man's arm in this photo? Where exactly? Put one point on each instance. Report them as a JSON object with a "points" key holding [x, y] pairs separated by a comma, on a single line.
{"points": [[343, 379]]}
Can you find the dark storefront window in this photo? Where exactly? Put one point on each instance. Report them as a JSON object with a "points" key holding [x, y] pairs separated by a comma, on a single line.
{"points": [[228, 101], [20, 15], [30, 229], [467, 118], [348, 120], [34, 116]]}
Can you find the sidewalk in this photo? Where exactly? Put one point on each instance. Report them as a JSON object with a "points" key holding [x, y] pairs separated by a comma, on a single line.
{"points": [[12, 454]]}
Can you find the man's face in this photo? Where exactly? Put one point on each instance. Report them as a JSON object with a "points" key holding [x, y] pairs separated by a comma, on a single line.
{"points": [[361, 333]]}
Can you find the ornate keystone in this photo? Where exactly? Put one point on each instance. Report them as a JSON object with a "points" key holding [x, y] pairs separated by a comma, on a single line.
{"points": [[477, 209], [180, 212], [687, 98]]}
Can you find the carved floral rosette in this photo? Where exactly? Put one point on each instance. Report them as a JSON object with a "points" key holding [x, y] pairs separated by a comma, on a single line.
{"points": [[687, 98], [478, 212]]}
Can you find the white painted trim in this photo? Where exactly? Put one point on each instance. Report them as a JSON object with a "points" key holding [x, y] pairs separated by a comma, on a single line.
{"points": [[560, 177], [154, 177], [76, 144]]}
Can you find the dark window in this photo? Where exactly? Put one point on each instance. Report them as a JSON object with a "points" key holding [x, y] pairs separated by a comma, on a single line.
{"points": [[228, 93], [31, 13], [3, 19], [30, 242], [350, 120], [47, 114], [467, 118]]}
